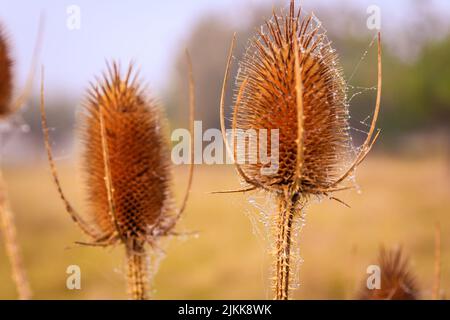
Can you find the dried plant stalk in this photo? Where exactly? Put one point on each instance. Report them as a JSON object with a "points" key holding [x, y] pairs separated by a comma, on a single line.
{"points": [[8, 229], [7, 107], [128, 171], [397, 281], [290, 80], [137, 273]]}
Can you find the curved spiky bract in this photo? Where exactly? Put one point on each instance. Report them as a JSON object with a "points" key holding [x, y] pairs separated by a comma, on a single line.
{"points": [[317, 123], [397, 281], [6, 85], [120, 119]]}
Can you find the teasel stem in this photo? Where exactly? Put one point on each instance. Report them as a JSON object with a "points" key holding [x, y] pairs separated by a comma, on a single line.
{"points": [[288, 209], [12, 248], [137, 273], [437, 262]]}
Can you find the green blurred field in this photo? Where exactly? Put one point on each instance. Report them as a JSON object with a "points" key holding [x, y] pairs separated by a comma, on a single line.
{"points": [[400, 202]]}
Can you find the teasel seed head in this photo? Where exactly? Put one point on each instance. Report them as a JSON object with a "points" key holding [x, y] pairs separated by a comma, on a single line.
{"points": [[290, 79], [6, 82], [120, 115], [269, 102], [397, 280]]}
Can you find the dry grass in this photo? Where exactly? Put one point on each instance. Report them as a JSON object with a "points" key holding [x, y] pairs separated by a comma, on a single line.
{"points": [[225, 260]]}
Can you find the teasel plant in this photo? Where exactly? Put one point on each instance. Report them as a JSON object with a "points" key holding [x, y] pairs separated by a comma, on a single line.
{"points": [[9, 106], [397, 281], [290, 80], [128, 171]]}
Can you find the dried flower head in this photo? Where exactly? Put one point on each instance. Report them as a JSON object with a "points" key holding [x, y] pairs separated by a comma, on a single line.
{"points": [[8, 103], [6, 85], [269, 102], [7, 225], [290, 80], [137, 157], [397, 281], [128, 171]]}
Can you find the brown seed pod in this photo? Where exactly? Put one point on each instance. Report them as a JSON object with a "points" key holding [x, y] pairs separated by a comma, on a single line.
{"points": [[290, 80], [137, 156], [269, 102], [6, 82], [397, 281], [128, 171]]}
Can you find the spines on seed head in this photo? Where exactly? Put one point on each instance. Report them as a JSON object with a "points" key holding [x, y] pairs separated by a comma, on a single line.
{"points": [[138, 161]]}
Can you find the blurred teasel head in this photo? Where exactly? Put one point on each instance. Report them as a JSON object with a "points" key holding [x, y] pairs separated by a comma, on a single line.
{"points": [[397, 281], [127, 170], [6, 86]]}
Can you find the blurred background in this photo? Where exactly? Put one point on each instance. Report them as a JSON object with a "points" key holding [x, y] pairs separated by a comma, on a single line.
{"points": [[405, 182]]}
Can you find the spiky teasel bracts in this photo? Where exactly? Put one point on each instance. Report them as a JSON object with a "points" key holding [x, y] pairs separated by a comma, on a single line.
{"points": [[124, 141], [290, 80], [128, 172], [397, 281]]}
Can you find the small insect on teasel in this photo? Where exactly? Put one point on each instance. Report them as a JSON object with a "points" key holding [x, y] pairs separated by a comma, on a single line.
{"points": [[397, 281], [290, 80], [128, 171]]}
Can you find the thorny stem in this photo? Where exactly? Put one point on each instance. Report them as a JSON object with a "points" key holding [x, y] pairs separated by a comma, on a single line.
{"points": [[137, 273], [287, 211], [12, 249]]}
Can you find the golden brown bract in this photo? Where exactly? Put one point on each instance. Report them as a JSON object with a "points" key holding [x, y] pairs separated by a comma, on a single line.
{"points": [[6, 85], [137, 157], [397, 281], [269, 102]]}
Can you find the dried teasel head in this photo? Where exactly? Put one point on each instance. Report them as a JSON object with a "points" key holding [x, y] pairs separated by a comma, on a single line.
{"points": [[120, 115], [128, 170], [6, 82], [397, 281], [8, 103], [290, 80], [126, 161]]}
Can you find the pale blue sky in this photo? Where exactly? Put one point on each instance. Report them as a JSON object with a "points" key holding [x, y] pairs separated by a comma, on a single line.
{"points": [[148, 31]]}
